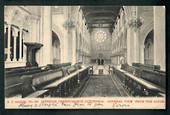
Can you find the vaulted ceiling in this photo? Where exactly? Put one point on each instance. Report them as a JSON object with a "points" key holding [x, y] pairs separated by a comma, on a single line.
{"points": [[100, 16]]}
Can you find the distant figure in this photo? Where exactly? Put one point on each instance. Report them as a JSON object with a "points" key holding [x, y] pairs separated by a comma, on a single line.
{"points": [[102, 62], [91, 71], [98, 61], [110, 70]]}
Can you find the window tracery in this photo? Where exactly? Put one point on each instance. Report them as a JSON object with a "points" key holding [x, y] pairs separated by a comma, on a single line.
{"points": [[100, 36]]}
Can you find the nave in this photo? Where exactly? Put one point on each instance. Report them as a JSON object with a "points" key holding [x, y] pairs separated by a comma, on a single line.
{"points": [[84, 51], [75, 81]]}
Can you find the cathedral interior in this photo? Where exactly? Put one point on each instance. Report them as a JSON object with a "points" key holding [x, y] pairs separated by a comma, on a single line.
{"points": [[84, 51]]}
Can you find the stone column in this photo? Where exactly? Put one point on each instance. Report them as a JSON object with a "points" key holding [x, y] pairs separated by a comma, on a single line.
{"points": [[47, 35], [24, 34], [9, 43], [136, 46], [5, 26], [5, 39], [38, 29], [137, 22], [159, 37], [20, 45], [73, 46], [134, 24], [15, 34], [129, 32], [41, 36], [38, 40]]}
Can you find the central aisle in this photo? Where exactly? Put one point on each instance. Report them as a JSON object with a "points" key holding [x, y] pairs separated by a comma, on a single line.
{"points": [[103, 86]]}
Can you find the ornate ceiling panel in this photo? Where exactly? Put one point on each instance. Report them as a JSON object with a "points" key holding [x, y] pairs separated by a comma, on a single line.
{"points": [[100, 15]]}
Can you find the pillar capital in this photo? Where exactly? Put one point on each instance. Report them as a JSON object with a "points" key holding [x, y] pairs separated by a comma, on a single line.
{"points": [[135, 23], [15, 32], [69, 24], [7, 25]]}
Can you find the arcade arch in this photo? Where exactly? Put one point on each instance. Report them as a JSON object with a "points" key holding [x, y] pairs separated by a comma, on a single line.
{"points": [[57, 30], [148, 49], [56, 49]]}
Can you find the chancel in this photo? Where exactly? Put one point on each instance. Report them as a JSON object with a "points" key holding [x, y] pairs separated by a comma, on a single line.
{"points": [[84, 51]]}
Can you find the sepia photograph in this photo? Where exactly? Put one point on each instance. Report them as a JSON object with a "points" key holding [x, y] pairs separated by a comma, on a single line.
{"points": [[72, 57]]}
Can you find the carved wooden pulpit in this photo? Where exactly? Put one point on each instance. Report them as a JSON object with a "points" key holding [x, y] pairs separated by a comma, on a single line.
{"points": [[32, 48]]}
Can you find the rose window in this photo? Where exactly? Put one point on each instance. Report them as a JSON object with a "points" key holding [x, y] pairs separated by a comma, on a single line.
{"points": [[100, 36]]}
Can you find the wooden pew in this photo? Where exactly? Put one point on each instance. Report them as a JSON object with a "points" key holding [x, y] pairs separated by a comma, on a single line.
{"points": [[137, 86], [131, 69], [57, 66], [155, 77], [146, 66], [13, 75], [71, 69], [151, 73], [12, 79], [62, 87], [36, 81], [18, 71]]}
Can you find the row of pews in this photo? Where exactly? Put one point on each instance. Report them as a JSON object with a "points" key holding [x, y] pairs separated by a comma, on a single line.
{"points": [[53, 80], [141, 80], [151, 73]]}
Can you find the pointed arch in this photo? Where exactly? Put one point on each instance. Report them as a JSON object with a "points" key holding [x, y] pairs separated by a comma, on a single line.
{"points": [[60, 35]]}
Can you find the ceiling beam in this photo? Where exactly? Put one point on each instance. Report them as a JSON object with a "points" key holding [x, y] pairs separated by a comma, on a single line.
{"points": [[100, 19], [101, 16], [100, 22], [112, 13], [107, 7], [100, 27]]}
